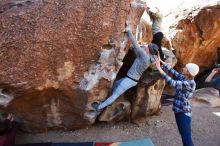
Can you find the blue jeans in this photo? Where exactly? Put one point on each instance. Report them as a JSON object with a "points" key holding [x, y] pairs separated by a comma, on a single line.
{"points": [[184, 125], [118, 89]]}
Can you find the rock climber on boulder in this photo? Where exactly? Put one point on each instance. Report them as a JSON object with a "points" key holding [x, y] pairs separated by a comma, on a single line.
{"points": [[145, 56]]}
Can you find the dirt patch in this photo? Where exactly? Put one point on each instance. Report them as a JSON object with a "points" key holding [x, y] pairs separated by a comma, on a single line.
{"points": [[161, 129]]}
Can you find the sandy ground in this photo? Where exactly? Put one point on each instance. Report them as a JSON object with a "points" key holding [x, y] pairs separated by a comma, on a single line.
{"points": [[161, 129]]}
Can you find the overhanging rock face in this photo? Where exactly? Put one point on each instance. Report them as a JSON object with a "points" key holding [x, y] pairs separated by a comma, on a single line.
{"points": [[58, 55]]}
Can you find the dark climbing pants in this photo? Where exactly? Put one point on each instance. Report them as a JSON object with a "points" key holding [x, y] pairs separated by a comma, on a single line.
{"points": [[184, 125], [157, 39]]}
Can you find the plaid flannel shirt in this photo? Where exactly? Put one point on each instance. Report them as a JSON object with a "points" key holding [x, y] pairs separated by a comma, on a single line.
{"points": [[184, 90]]}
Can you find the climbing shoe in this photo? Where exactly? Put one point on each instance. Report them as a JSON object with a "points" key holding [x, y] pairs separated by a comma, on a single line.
{"points": [[95, 105]]}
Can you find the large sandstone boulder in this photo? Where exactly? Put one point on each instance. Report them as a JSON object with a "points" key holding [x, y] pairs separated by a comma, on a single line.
{"points": [[197, 36], [57, 56]]}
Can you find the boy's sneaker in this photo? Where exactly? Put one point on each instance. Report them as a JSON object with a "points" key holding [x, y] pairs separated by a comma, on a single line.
{"points": [[95, 105]]}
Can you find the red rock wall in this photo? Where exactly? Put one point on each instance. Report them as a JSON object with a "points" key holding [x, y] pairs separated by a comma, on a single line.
{"points": [[198, 38], [56, 55]]}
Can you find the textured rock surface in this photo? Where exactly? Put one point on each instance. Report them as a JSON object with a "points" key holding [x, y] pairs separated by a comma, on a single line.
{"points": [[58, 55], [120, 110], [144, 33], [198, 37], [206, 97]]}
